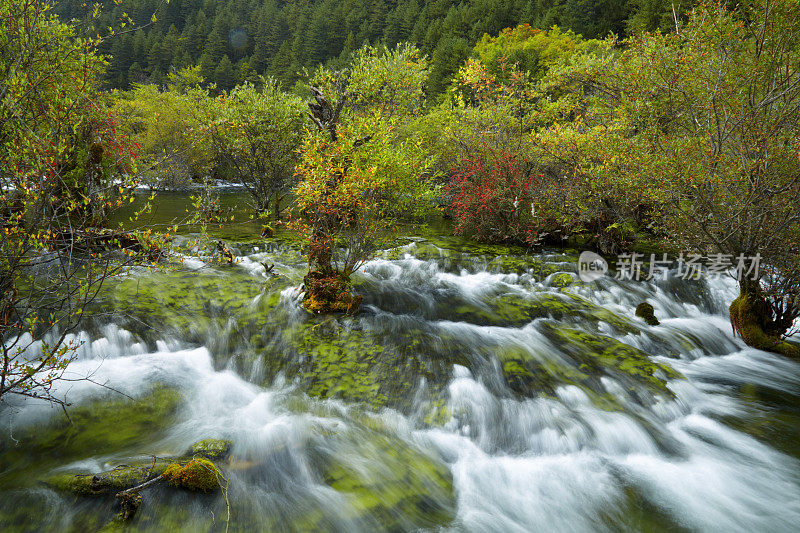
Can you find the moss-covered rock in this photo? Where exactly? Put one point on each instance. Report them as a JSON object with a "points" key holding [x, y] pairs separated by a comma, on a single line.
{"points": [[646, 312], [198, 475], [104, 426], [214, 449], [201, 306], [529, 376], [514, 310], [597, 355], [752, 319], [562, 279], [406, 490]]}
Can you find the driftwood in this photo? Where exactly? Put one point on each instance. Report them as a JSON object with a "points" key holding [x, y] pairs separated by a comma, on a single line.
{"points": [[324, 114], [130, 499], [94, 240]]}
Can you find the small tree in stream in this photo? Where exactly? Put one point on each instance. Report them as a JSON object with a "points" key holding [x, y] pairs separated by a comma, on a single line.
{"points": [[257, 134], [358, 177]]}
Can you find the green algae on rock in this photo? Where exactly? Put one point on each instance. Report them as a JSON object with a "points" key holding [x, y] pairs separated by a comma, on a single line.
{"points": [[588, 357], [111, 424], [406, 490], [513, 310], [333, 359], [598, 355]]}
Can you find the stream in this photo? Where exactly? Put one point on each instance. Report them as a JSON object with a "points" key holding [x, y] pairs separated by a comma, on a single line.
{"points": [[480, 388]]}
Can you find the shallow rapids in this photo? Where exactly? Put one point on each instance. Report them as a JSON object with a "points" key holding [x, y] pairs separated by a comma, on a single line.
{"points": [[480, 389]]}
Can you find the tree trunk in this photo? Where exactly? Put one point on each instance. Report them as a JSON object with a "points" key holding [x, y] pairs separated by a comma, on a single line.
{"points": [[752, 319]]}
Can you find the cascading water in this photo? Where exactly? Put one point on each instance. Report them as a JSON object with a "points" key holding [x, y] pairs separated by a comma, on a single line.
{"points": [[478, 390]]}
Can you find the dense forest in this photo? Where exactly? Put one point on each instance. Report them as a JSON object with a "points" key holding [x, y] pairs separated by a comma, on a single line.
{"points": [[236, 40]]}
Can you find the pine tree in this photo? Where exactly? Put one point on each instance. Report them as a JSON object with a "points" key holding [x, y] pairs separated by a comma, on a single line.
{"points": [[224, 75]]}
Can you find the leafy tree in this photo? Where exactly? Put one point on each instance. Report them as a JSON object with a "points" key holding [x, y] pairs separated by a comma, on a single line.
{"points": [[59, 150], [699, 128], [357, 177], [257, 133], [171, 127]]}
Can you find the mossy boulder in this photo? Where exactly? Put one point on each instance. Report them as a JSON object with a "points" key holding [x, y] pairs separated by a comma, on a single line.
{"points": [[194, 305], [344, 360], [561, 279], [595, 355], [646, 312], [198, 475], [752, 319], [214, 449], [108, 425], [529, 376], [514, 310], [406, 490]]}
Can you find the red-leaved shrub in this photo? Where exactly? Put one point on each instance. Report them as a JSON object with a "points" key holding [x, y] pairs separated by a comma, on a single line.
{"points": [[491, 197]]}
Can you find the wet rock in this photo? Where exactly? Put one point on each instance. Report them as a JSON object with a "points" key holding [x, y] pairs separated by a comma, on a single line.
{"points": [[214, 449], [103, 426], [406, 490], [597, 355], [646, 312]]}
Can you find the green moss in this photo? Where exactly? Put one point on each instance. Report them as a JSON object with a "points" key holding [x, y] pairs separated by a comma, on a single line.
{"points": [[331, 359], [112, 481], [437, 413], [198, 475], [562, 279], [80, 484], [211, 448], [406, 490], [598, 355], [97, 428], [646, 312], [514, 310], [194, 305], [752, 319]]}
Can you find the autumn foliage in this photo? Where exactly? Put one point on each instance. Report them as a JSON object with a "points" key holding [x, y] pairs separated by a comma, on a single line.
{"points": [[492, 197]]}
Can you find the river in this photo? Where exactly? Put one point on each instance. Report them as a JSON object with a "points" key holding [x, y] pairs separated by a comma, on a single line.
{"points": [[480, 388]]}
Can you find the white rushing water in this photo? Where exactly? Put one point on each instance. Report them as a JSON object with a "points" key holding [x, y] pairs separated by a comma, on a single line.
{"points": [[549, 462]]}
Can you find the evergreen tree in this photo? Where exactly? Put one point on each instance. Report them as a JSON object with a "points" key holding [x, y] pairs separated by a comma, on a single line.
{"points": [[224, 75]]}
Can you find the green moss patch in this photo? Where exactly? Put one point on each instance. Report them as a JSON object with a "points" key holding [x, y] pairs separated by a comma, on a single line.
{"points": [[104, 426], [198, 475]]}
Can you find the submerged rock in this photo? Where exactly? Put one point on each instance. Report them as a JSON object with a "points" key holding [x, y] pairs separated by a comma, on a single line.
{"points": [[405, 490], [107, 425], [587, 357], [598, 355]]}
